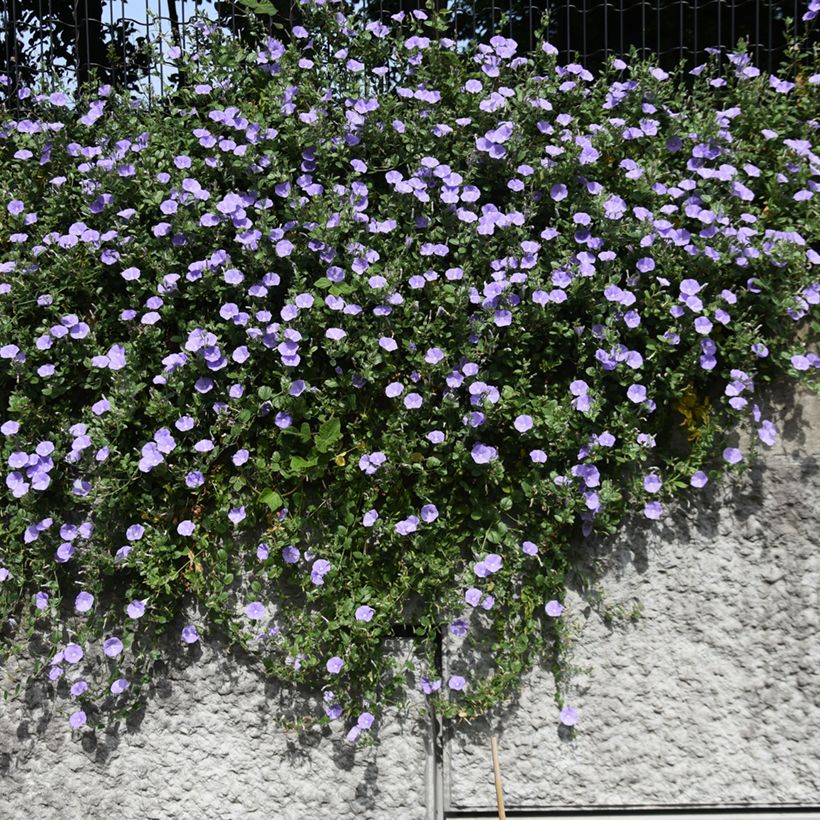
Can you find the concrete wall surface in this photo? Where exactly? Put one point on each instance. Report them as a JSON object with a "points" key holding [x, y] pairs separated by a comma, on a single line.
{"points": [[709, 697]]}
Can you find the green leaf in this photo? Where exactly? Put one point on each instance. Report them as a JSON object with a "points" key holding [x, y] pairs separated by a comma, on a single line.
{"points": [[272, 499], [302, 465], [260, 7], [329, 433]]}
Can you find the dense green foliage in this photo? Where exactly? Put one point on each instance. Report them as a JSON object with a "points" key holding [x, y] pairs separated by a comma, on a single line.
{"points": [[500, 302]]}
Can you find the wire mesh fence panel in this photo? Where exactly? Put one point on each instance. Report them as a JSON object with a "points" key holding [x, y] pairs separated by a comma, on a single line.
{"points": [[64, 43]]}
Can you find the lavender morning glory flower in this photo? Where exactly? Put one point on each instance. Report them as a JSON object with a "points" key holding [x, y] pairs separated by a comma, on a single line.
{"points": [[112, 647], [255, 611], [732, 455], [429, 513], [365, 613], [523, 423], [119, 686], [77, 719], [568, 716], [653, 510], [699, 479], [78, 688], [136, 609], [483, 453], [189, 634], [529, 548], [334, 665], [636, 393], [456, 683], [73, 653], [83, 602], [554, 609], [290, 555]]}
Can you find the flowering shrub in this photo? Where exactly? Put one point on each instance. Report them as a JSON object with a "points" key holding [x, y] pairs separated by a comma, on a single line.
{"points": [[364, 331]]}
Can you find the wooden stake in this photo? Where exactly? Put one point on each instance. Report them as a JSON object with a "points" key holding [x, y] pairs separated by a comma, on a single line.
{"points": [[499, 794]]}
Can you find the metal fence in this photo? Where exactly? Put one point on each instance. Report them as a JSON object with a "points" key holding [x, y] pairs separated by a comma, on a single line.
{"points": [[66, 39]]}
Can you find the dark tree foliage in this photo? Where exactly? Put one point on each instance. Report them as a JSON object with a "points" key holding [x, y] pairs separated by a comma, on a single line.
{"points": [[78, 37]]}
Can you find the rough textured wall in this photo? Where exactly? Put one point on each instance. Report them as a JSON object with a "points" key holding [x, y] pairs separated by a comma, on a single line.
{"points": [[205, 747], [711, 696]]}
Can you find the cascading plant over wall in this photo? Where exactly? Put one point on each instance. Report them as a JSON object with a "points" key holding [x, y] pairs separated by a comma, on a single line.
{"points": [[378, 327]]}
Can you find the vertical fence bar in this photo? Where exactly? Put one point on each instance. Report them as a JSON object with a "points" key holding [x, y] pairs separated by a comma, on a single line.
{"points": [[770, 36], [757, 32], [643, 29], [584, 32]]}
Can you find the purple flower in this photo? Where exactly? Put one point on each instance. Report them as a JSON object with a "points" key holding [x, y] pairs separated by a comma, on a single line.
{"points": [[371, 462], [428, 686], [112, 647], [568, 716], [435, 436], [412, 401], [290, 555], [186, 527], [652, 483], [429, 513], [636, 393], [483, 453], [493, 562], [538, 456], [365, 720], [41, 600], [189, 634], [320, 568], [523, 423], [119, 686], [554, 609], [80, 687], [135, 532], [472, 596], [73, 653], [334, 665], [77, 720], [456, 683], [732, 455], [136, 609], [393, 389], [408, 525], [236, 514], [699, 479], [767, 433], [529, 548], [458, 628], [83, 602], [255, 611], [365, 613], [653, 510]]}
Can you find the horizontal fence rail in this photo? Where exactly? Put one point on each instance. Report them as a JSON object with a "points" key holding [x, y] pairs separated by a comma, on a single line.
{"points": [[67, 40]]}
